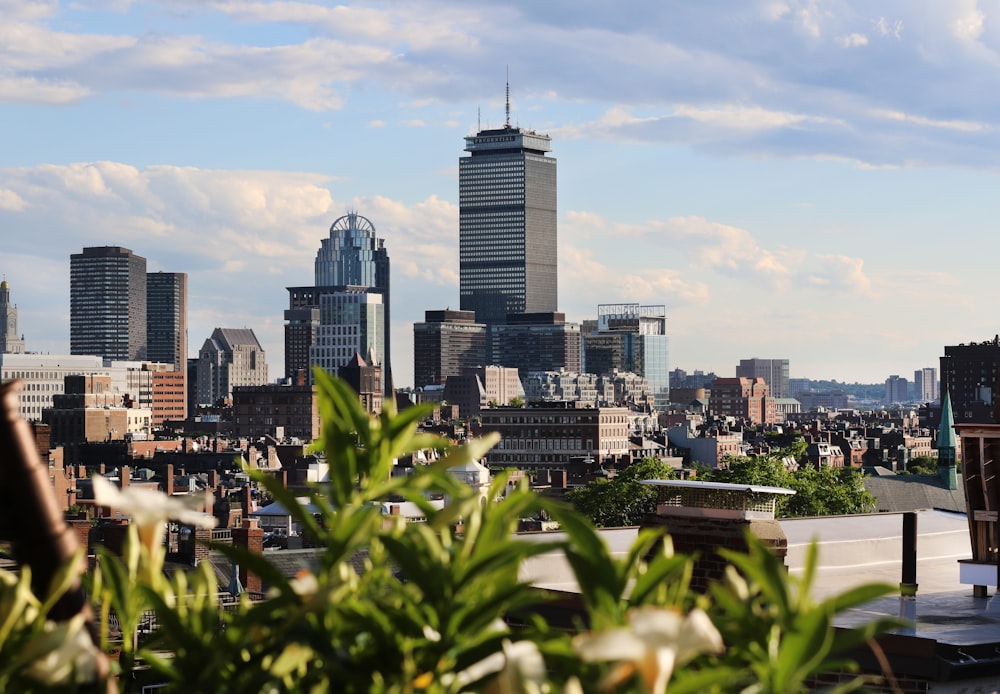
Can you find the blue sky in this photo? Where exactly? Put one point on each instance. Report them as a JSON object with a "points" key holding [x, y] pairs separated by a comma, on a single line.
{"points": [[792, 178]]}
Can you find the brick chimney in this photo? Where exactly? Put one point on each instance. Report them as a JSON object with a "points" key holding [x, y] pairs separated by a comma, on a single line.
{"points": [[703, 517], [250, 536], [170, 479], [125, 476]]}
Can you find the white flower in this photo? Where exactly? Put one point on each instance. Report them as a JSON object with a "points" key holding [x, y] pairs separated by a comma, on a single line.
{"points": [[520, 667], [654, 642], [64, 653], [149, 509]]}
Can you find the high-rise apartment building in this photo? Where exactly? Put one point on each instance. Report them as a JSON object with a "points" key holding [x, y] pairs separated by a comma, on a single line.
{"points": [[507, 224], [352, 259], [10, 341], [630, 337], [925, 385], [166, 318], [969, 373], [166, 330], [773, 371], [107, 305], [445, 344], [897, 390]]}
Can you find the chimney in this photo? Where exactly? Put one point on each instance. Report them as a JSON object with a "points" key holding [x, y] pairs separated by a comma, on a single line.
{"points": [[702, 517], [246, 502], [250, 536], [125, 476], [170, 479]]}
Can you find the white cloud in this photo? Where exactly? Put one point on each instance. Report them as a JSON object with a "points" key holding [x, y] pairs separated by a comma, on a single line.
{"points": [[970, 26], [885, 27], [243, 236], [739, 117], [11, 201], [28, 90], [692, 246], [959, 125], [853, 40]]}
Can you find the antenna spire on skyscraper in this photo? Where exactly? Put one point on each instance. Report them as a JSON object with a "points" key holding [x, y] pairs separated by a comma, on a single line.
{"points": [[508, 97]]}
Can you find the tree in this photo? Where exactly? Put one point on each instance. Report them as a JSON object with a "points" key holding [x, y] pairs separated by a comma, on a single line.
{"points": [[822, 491], [622, 500], [516, 401], [827, 491]]}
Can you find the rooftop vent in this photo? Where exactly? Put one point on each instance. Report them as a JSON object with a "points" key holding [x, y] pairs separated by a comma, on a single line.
{"points": [[715, 499]]}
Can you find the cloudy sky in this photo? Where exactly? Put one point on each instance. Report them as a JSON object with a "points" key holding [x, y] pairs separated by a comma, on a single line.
{"points": [[808, 179]]}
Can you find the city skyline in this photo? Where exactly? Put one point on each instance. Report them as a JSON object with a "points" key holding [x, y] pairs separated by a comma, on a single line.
{"points": [[773, 173]]}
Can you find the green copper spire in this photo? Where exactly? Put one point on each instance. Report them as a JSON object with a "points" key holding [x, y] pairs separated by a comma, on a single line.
{"points": [[947, 444]]}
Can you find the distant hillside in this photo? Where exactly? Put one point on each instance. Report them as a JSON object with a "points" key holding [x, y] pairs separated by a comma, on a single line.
{"points": [[861, 391]]}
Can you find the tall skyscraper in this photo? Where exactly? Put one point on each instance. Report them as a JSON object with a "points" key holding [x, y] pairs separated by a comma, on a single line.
{"points": [[166, 318], [10, 341], [925, 385], [107, 305], [166, 329], [630, 337], [351, 262], [773, 371], [507, 224]]}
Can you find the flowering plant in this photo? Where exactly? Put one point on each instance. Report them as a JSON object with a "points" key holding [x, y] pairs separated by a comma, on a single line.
{"points": [[442, 605]]}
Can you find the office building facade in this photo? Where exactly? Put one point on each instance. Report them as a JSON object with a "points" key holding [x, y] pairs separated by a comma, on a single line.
{"points": [[107, 312], [10, 341], [773, 371], [231, 357], [166, 318], [351, 322], [446, 343], [550, 437], [507, 224], [167, 333], [536, 342], [630, 337]]}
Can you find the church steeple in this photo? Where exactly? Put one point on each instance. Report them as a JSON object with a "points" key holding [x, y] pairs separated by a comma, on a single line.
{"points": [[10, 342], [947, 443]]}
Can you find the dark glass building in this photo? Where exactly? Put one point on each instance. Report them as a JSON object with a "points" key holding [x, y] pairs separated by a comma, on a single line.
{"points": [[166, 318], [969, 372], [445, 344], [107, 305], [507, 225], [536, 342]]}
